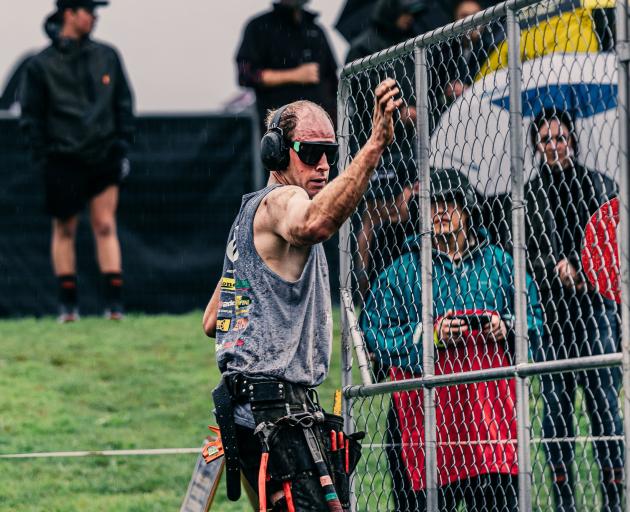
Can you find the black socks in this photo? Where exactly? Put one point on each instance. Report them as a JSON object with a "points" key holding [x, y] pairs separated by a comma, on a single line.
{"points": [[68, 295], [113, 289]]}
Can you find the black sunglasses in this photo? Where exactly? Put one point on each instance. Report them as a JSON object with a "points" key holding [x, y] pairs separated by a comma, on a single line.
{"points": [[311, 152]]}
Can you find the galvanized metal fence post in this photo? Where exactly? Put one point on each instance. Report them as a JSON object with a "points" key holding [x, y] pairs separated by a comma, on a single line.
{"points": [[518, 234], [623, 103], [345, 261], [428, 361], [345, 266]]}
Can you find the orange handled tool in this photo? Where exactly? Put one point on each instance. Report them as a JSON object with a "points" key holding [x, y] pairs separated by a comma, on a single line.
{"points": [[286, 487], [213, 449], [262, 482], [342, 446]]}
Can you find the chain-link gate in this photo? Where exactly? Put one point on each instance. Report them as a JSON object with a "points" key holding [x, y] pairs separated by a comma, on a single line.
{"points": [[482, 289]]}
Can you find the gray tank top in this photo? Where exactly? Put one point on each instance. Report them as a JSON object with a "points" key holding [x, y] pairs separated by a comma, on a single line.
{"points": [[267, 326]]}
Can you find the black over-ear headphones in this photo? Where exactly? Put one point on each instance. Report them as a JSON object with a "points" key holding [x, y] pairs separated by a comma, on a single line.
{"points": [[274, 152]]}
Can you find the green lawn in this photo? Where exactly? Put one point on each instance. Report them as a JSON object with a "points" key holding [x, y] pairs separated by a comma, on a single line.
{"points": [[100, 385], [145, 383]]}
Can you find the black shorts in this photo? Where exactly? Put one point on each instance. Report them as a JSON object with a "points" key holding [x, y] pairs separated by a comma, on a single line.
{"points": [[70, 184]]}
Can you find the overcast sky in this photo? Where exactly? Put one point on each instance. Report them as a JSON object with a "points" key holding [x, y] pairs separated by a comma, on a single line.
{"points": [[179, 53]]}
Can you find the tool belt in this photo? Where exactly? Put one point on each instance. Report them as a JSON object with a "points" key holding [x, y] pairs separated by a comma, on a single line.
{"points": [[287, 415]]}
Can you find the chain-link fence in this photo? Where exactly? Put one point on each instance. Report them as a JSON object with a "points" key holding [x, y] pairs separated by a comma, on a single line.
{"points": [[482, 288]]}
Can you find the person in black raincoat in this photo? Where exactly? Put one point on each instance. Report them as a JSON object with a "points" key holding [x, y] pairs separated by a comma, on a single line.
{"points": [[464, 56], [284, 56], [77, 113], [381, 233], [579, 322]]}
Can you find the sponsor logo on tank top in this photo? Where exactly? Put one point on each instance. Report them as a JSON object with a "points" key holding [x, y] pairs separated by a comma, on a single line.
{"points": [[227, 284], [232, 251], [223, 324]]}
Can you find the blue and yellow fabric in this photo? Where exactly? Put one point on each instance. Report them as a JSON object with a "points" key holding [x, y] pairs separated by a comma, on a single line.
{"points": [[567, 27]]}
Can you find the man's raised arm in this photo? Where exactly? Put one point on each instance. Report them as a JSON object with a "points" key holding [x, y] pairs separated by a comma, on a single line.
{"points": [[302, 221]]}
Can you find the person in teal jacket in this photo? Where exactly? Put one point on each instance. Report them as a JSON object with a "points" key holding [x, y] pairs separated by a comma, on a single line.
{"points": [[473, 309]]}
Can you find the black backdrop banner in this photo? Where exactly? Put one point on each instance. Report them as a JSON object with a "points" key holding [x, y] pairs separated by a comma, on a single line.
{"points": [[188, 174]]}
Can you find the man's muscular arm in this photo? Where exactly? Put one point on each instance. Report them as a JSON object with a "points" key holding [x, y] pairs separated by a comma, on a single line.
{"points": [[303, 222], [210, 315]]}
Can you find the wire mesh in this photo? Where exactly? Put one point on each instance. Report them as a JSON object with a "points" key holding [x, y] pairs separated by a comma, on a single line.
{"points": [[570, 161], [578, 459]]}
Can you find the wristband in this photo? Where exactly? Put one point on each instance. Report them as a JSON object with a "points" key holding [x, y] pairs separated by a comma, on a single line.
{"points": [[437, 341]]}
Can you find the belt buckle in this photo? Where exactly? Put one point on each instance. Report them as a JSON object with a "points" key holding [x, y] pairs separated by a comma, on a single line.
{"points": [[238, 386]]}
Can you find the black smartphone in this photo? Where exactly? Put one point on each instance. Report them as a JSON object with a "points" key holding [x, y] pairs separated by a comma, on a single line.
{"points": [[475, 322]]}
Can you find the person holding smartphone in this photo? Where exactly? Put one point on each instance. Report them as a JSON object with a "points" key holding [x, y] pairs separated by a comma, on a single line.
{"points": [[473, 307]]}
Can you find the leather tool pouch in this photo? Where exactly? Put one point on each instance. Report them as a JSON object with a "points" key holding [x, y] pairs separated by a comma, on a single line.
{"points": [[272, 402], [341, 466]]}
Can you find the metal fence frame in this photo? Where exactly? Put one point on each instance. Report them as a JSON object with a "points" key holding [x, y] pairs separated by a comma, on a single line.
{"points": [[523, 369]]}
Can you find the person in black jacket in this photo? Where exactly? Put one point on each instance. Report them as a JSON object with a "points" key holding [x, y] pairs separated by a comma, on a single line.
{"points": [[579, 322], [382, 231], [285, 56], [77, 111], [464, 56]]}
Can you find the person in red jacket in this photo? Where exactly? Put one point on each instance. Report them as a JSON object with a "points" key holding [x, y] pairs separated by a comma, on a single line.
{"points": [[473, 312]]}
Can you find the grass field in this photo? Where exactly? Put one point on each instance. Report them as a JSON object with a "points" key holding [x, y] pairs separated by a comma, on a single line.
{"points": [[145, 383], [100, 385]]}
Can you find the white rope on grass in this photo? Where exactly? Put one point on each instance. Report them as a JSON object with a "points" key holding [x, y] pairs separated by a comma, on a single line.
{"points": [[101, 453], [371, 446]]}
